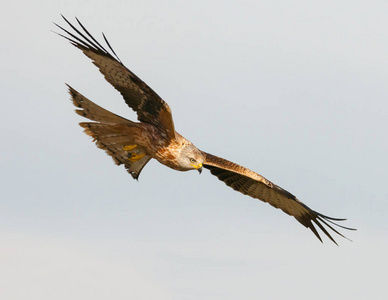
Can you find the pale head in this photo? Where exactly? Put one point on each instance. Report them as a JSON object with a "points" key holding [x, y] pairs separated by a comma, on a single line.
{"points": [[190, 158]]}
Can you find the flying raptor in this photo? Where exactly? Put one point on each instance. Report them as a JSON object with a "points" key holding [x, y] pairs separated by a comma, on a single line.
{"points": [[134, 144]]}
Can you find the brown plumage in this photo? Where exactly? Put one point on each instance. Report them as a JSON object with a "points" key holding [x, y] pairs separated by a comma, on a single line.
{"points": [[133, 144]]}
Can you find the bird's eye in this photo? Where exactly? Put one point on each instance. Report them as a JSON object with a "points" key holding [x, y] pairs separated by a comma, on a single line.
{"points": [[192, 160]]}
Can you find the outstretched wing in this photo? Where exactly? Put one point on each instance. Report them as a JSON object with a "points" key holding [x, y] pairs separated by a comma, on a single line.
{"points": [[252, 184], [150, 108]]}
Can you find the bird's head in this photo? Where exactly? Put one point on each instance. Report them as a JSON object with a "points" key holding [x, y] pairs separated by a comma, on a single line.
{"points": [[191, 158]]}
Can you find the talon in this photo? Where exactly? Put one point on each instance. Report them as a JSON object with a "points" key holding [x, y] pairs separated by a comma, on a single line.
{"points": [[136, 157], [129, 147]]}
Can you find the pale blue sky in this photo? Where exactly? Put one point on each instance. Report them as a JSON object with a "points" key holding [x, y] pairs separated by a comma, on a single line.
{"points": [[295, 90]]}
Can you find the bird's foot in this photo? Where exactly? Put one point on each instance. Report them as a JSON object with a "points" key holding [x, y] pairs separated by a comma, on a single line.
{"points": [[135, 157], [129, 147]]}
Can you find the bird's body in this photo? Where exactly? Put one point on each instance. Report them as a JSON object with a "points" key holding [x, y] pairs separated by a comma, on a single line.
{"points": [[134, 144], [168, 155]]}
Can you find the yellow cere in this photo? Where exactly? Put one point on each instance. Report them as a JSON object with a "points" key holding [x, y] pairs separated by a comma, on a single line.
{"points": [[196, 166]]}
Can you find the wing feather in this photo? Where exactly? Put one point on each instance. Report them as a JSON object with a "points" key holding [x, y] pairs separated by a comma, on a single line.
{"points": [[252, 184], [150, 108]]}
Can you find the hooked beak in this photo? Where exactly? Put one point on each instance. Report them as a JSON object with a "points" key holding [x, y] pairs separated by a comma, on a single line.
{"points": [[198, 167]]}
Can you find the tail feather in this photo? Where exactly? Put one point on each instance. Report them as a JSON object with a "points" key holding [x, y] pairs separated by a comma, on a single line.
{"points": [[94, 112], [110, 132]]}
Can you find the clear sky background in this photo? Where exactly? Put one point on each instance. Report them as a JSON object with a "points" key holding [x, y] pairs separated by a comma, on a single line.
{"points": [[295, 90]]}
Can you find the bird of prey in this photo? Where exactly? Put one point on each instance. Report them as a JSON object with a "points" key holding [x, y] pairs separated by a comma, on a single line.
{"points": [[134, 144]]}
